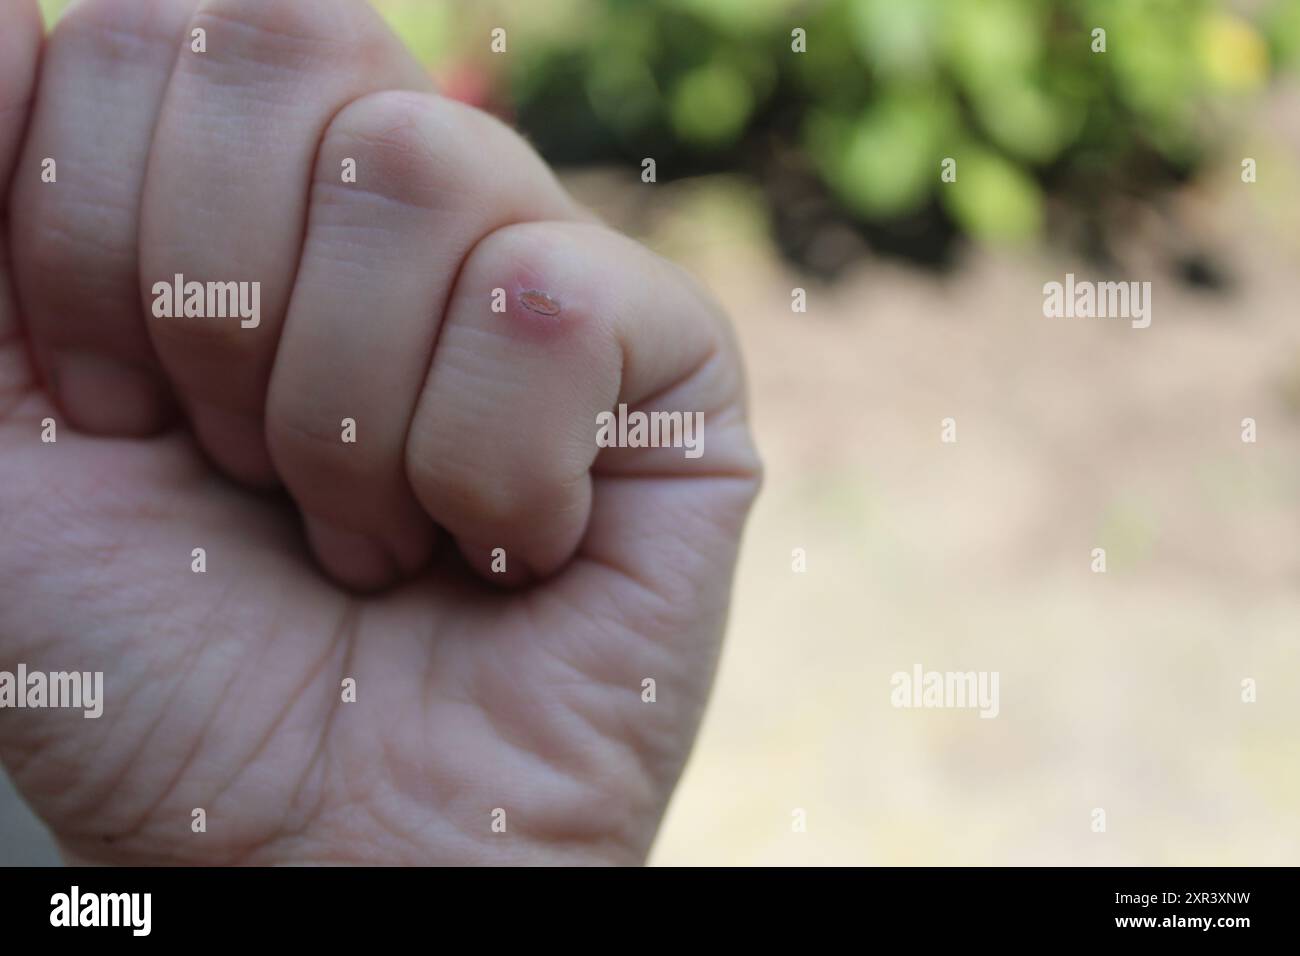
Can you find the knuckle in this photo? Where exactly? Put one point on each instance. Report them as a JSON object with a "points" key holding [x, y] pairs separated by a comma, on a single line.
{"points": [[416, 148]]}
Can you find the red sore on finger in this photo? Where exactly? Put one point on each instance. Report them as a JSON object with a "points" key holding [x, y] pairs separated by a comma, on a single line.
{"points": [[539, 311], [539, 302]]}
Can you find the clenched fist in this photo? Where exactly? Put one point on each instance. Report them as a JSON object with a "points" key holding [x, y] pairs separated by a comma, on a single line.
{"points": [[328, 435]]}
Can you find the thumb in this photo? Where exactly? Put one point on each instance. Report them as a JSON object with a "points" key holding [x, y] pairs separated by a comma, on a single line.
{"points": [[21, 30]]}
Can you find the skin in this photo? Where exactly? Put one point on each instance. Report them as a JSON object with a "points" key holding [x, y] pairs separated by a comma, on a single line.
{"points": [[476, 430]]}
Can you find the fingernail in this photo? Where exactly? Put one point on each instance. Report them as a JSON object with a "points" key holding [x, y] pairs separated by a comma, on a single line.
{"points": [[358, 560], [104, 396]]}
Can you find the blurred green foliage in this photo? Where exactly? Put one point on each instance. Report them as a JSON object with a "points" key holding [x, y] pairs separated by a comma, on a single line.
{"points": [[1011, 89], [886, 90]]}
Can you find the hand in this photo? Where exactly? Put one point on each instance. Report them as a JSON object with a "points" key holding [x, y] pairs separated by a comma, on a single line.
{"points": [[326, 561]]}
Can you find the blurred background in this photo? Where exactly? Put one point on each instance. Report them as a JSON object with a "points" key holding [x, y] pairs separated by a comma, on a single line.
{"points": [[799, 145]]}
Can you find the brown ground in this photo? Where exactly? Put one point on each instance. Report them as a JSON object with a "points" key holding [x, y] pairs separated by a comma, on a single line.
{"points": [[1120, 691]]}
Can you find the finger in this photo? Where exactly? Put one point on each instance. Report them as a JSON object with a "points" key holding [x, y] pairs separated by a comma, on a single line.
{"points": [[21, 30], [226, 196], [432, 176], [506, 432], [105, 68]]}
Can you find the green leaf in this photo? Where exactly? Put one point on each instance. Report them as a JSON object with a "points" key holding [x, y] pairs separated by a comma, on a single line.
{"points": [[711, 105], [992, 200], [886, 163], [738, 17], [897, 38], [992, 42], [1024, 120]]}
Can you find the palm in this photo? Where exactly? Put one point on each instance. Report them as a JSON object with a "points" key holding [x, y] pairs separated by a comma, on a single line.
{"points": [[223, 689]]}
